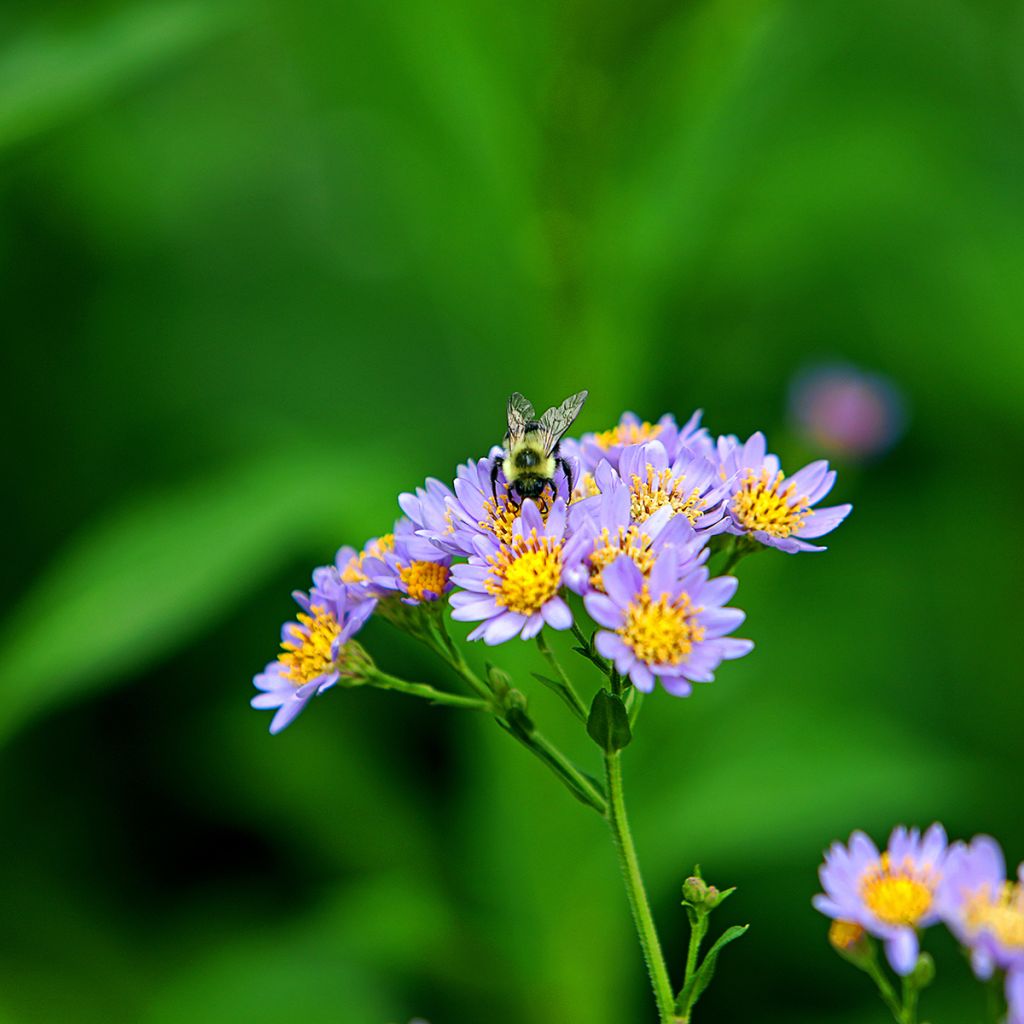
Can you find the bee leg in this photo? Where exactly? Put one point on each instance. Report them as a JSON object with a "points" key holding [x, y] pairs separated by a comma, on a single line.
{"points": [[495, 466], [567, 470]]}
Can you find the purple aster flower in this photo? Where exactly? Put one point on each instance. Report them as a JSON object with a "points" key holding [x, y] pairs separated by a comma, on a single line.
{"points": [[669, 625], [688, 484], [602, 528], [414, 568], [317, 650], [890, 895], [351, 564], [428, 510], [769, 506], [608, 445], [477, 511], [514, 589], [985, 912]]}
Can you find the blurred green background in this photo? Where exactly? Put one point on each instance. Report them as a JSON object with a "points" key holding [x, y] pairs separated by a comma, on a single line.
{"points": [[265, 264]]}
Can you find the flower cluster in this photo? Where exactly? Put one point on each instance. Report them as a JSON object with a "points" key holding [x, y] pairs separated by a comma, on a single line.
{"points": [[622, 532], [920, 880]]}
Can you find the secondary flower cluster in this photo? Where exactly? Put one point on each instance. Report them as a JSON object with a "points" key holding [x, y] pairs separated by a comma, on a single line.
{"points": [[919, 881], [629, 530]]}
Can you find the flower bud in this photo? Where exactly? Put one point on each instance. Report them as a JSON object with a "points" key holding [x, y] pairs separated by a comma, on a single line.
{"points": [[923, 973], [355, 666], [500, 680], [851, 942], [695, 890]]}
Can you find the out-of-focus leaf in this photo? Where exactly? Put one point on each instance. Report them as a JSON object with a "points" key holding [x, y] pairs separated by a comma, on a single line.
{"points": [[128, 588], [300, 974], [56, 71]]}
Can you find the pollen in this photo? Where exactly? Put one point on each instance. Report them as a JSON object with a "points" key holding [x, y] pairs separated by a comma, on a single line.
{"points": [[586, 488], [525, 574], [501, 516], [308, 655], [762, 504], [607, 547], [425, 581], [1001, 915], [627, 433], [660, 488], [661, 632], [898, 895], [353, 571]]}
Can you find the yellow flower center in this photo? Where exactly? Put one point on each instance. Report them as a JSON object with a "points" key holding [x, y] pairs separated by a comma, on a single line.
{"points": [[661, 488], [844, 935], [1002, 915], [421, 578], [353, 571], [661, 632], [501, 516], [627, 433], [759, 504], [586, 488], [526, 573], [309, 655], [607, 547], [900, 895]]}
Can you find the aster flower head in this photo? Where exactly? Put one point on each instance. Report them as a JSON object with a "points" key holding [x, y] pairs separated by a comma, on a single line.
{"points": [[317, 650], [669, 624], [351, 565], [687, 483], [770, 507], [427, 508], [414, 568], [602, 528], [985, 911], [608, 445], [890, 895], [514, 589], [479, 509]]}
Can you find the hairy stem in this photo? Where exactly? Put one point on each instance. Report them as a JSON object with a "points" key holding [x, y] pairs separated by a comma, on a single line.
{"points": [[637, 895], [452, 700]]}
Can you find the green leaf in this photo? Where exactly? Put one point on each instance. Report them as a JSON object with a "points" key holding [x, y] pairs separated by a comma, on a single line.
{"points": [[164, 568], [702, 976], [54, 72], [608, 722]]}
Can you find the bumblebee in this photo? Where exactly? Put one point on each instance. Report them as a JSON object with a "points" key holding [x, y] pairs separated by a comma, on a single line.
{"points": [[531, 446]]}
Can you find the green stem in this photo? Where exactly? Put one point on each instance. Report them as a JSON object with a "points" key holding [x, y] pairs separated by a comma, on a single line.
{"points": [[588, 651], [994, 995], [885, 989], [698, 929], [660, 981], [566, 691], [581, 786], [453, 700], [910, 994]]}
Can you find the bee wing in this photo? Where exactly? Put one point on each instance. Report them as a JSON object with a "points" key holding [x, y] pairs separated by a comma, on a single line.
{"points": [[520, 412], [556, 421]]}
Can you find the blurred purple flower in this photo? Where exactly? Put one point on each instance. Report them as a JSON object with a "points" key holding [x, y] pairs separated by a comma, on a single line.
{"points": [[985, 912], [890, 895], [846, 411]]}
